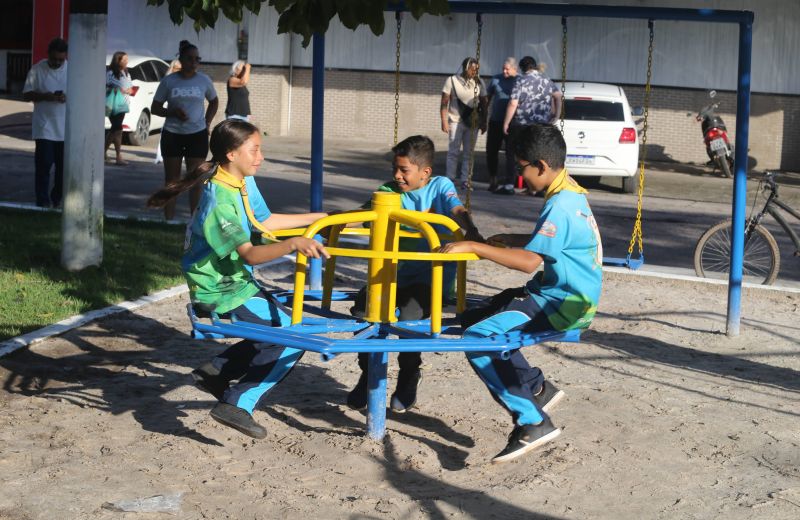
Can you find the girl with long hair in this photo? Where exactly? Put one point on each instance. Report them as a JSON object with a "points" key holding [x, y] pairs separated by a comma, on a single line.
{"points": [[217, 263]]}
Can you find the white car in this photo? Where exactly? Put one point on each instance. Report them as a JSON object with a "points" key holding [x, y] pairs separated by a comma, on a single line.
{"points": [[601, 136], [146, 72]]}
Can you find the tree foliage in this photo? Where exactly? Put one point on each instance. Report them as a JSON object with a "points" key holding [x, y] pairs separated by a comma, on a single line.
{"points": [[302, 17]]}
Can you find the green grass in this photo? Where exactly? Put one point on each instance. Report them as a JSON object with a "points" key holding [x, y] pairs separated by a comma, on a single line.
{"points": [[138, 258]]}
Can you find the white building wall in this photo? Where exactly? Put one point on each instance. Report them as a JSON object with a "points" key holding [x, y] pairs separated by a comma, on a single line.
{"points": [[687, 54]]}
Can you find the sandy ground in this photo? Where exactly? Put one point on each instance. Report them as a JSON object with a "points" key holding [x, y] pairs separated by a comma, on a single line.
{"points": [[665, 417]]}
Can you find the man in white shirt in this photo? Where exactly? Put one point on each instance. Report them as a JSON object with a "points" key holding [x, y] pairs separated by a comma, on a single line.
{"points": [[46, 87]]}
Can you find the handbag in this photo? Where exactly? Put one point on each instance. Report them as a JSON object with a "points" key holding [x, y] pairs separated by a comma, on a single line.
{"points": [[115, 102], [464, 110]]}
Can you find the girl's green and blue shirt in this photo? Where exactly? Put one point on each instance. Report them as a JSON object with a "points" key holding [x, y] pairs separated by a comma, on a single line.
{"points": [[216, 275]]}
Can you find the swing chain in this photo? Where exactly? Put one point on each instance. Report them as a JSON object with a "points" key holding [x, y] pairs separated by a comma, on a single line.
{"points": [[473, 124], [636, 236], [563, 71], [398, 16]]}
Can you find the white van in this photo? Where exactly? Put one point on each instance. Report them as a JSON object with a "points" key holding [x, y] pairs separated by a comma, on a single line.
{"points": [[600, 133]]}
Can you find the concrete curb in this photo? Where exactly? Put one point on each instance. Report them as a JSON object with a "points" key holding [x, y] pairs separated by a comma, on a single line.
{"points": [[673, 276]]}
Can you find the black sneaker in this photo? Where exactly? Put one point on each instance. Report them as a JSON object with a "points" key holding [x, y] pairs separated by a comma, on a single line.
{"points": [[547, 398], [505, 190], [207, 378], [526, 438], [405, 395], [357, 398], [238, 419]]}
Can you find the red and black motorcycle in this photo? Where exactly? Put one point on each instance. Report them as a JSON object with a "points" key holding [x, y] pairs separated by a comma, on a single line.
{"points": [[715, 136]]}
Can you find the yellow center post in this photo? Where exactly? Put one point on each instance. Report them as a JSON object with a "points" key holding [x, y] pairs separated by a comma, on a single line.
{"points": [[385, 219]]}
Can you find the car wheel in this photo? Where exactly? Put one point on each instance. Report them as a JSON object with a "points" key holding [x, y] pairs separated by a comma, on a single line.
{"points": [[142, 131], [631, 184]]}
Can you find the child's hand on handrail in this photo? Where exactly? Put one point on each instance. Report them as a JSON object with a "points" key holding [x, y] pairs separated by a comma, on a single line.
{"points": [[466, 246], [307, 246]]}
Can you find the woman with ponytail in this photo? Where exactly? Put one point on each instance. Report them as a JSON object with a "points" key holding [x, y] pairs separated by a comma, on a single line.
{"points": [[217, 263]]}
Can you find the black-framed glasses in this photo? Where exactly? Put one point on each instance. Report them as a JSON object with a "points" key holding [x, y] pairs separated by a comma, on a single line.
{"points": [[521, 167]]}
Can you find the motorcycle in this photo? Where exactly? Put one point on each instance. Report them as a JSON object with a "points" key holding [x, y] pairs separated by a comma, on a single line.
{"points": [[715, 136]]}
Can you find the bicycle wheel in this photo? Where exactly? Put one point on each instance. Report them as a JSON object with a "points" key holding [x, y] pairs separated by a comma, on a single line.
{"points": [[762, 260]]}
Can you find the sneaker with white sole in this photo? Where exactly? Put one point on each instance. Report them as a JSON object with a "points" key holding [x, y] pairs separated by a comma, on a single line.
{"points": [[405, 395], [525, 438], [549, 395], [507, 189]]}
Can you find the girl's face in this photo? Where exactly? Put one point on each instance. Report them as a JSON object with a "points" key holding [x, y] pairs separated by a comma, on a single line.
{"points": [[123, 62], [246, 159]]}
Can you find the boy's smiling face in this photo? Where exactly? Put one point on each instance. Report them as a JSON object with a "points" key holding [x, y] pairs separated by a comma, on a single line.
{"points": [[409, 176]]}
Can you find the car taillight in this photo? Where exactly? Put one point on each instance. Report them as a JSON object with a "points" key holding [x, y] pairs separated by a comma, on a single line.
{"points": [[134, 90], [628, 135]]}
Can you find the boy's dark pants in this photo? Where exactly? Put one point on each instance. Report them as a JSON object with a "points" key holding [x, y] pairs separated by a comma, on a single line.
{"points": [[414, 302], [511, 382]]}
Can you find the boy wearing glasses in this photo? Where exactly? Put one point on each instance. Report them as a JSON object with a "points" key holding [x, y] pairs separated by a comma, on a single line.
{"points": [[562, 296]]}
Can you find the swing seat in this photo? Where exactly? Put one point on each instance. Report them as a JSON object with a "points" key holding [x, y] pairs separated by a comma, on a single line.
{"points": [[631, 263]]}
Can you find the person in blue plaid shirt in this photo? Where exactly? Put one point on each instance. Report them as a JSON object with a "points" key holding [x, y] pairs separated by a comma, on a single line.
{"points": [[535, 99]]}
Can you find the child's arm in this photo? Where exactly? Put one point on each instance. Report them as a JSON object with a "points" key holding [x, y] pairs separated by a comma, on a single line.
{"points": [[518, 259], [253, 255], [278, 221], [464, 219]]}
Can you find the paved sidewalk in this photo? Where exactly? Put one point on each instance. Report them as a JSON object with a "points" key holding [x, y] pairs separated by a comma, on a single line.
{"points": [[681, 201]]}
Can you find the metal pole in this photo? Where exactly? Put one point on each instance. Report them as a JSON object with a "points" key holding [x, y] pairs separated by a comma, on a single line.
{"points": [[317, 119], [740, 178], [376, 393]]}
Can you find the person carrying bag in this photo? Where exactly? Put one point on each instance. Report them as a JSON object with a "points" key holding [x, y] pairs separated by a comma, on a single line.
{"points": [[118, 87]]}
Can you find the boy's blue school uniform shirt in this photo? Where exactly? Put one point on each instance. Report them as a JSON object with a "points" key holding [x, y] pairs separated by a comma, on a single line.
{"points": [[438, 196], [567, 238]]}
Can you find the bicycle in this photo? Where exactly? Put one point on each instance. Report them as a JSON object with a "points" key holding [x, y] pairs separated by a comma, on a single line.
{"points": [[762, 259]]}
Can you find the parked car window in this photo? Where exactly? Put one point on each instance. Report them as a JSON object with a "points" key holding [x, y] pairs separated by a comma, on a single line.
{"points": [[161, 69], [136, 73], [150, 73], [591, 110]]}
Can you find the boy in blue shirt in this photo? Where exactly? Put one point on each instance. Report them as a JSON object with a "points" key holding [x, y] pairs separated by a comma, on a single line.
{"points": [[563, 296], [412, 166]]}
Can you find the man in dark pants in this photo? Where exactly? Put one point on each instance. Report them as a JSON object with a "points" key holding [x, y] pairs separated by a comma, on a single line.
{"points": [[499, 92], [46, 87]]}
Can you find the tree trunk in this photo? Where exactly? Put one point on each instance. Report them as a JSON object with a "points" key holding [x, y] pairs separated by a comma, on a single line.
{"points": [[82, 220]]}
